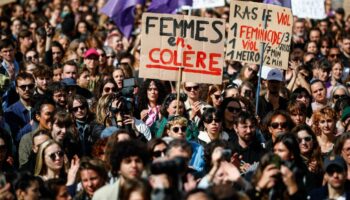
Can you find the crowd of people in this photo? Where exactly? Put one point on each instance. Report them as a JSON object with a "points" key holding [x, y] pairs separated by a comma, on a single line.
{"points": [[77, 121]]}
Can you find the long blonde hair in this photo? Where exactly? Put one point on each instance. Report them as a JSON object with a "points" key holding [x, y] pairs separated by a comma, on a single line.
{"points": [[40, 166]]}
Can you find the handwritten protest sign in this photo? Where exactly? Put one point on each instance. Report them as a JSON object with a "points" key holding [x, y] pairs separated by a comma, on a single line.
{"points": [[313, 9], [207, 3], [247, 32], [173, 41]]}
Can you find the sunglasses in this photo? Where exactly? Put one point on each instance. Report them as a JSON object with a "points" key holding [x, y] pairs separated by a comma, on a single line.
{"points": [[252, 70], [276, 125], [56, 155], [32, 57], [306, 139], [334, 55], [24, 87], [108, 89], [108, 57], [177, 129], [75, 109], [189, 89], [158, 154], [233, 109], [339, 96], [217, 97], [210, 120], [300, 96]]}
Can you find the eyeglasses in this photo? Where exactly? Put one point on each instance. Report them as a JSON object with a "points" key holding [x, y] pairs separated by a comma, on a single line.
{"points": [[108, 89], [334, 55], [276, 125], [25, 87], [29, 58], [300, 96], [108, 57], [306, 139], [177, 129], [75, 109], [252, 70], [233, 109], [210, 120], [158, 154], [339, 96], [189, 89], [217, 96], [56, 155]]}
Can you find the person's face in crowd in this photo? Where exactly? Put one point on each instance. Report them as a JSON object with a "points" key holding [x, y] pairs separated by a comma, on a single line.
{"points": [[177, 131], [312, 48], [298, 118], [79, 110], [212, 125], [8, 53], [63, 193], [278, 125], [32, 56], [232, 111], [16, 27], [31, 193], [42, 83], [282, 151], [346, 46], [337, 71], [45, 116], [110, 59], [83, 80], [298, 53], [57, 54], [81, 49], [159, 151], [118, 77], [326, 125], [324, 48], [60, 98], [274, 87], [323, 75], [91, 181], [250, 72], [304, 98], [323, 26], [245, 131], [58, 133], [3, 149], [91, 62], [69, 71], [64, 42], [338, 94], [216, 98], [334, 54], [318, 92], [131, 167], [335, 177], [305, 142], [173, 106], [54, 157], [345, 153], [57, 75], [38, 140], [102, 59], [152, 92], [26, 42], [299, 28], [25, 88], [192, 90], [246, 92], [117, 44], [315, 36], [82, 28], [232, 92], [109, 88]]}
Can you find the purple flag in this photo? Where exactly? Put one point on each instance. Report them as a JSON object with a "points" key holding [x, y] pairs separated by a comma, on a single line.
{"points": [[122, 13], [167, 6], [283, 3]]}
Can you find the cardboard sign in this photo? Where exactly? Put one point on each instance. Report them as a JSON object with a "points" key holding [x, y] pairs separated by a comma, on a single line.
{"points": [[173, 41], [247, 32], [347, 7], [207, 3], [313, 9], [3, 2]]}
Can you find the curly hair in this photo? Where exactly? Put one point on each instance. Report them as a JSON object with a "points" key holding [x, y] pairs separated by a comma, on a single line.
{"points": [[143, 99], [326, 112]]}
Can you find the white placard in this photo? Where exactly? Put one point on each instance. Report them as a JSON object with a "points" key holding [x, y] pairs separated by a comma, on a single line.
{"points": [[312, 9], [207, 3]]}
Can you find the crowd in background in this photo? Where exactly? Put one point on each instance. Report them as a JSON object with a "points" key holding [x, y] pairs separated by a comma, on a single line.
{"points": [[77, 121]]}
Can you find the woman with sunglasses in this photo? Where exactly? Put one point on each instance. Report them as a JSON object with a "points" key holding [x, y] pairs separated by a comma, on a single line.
{"points": [[324, 121], [210, 127], [310, 152], [215, 97], [157, 148], [107, 86], [338, 92], [275, 123], [230, 109], [151, 96]]}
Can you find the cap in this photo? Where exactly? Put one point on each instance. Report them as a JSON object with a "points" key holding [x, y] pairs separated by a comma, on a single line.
{"points": [[345, 114], [275, 75], [91, 52], [69, 82], [337, 161]]}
